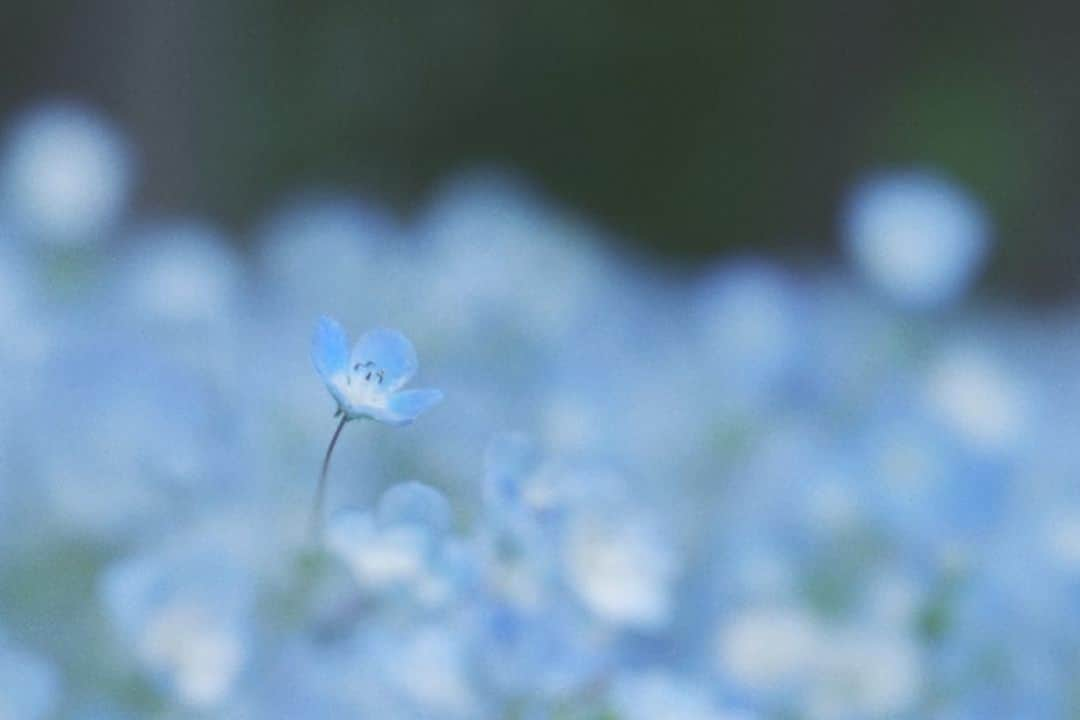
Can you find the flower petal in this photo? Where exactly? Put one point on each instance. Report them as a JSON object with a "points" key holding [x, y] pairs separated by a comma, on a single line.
{"points": [[387, 351], [329, 349], [404, 407]]}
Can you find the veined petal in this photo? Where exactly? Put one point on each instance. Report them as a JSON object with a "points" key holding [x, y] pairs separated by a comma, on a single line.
{"points": [[329, 349], [387, 353], [404, 407]]}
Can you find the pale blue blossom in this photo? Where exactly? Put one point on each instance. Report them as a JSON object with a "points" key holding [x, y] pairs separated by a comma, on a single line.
{"points": [[916, 236], [65, 174], [750, 324], [367, 382]]}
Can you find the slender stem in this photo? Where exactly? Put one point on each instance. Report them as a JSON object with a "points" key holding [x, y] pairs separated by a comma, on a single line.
{"points": [[316, 521]]}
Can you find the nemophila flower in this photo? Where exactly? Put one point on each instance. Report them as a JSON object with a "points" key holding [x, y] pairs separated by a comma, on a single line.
{"points": [[366, 383]]}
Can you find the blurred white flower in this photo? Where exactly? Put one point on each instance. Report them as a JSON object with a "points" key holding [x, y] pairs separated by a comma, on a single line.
{"points": [[865, 673], [978, 400], [621, 568], [197, 648], [185, 610], [400, 545], [768, 650], [378, 557]]}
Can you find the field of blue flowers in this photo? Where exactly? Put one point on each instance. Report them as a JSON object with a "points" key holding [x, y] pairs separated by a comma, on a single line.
{"points": [[761, 490]]}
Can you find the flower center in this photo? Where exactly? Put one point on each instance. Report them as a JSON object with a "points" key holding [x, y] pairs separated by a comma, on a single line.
{"points": [[370, 371], [364, 385]]}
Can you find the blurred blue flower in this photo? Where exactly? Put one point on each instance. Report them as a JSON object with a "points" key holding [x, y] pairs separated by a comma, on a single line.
{"points": [[428, 672], [65, 174], [29, 686], [184, 610], [413, 503], [367, 383], [750, 315], [403, 544], [180, 273], [917, 237], [295, 239]]}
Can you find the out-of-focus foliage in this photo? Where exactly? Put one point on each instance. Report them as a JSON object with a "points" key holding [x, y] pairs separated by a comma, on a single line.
{"points": [[759, 491]]}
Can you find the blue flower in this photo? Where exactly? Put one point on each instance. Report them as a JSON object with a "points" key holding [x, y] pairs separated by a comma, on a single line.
{"points": [[367, 383], [917, 237]]}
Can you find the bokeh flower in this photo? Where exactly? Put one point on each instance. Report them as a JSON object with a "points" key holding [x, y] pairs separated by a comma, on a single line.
{"points": [[66, 174], [916, 236]]}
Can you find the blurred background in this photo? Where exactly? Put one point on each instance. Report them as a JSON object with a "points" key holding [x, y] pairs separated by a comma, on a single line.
{"points": [[694, 129], [756, 327]]}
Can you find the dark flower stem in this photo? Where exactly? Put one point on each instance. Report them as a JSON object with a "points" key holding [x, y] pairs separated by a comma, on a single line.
{"points": [[315, 523]]}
